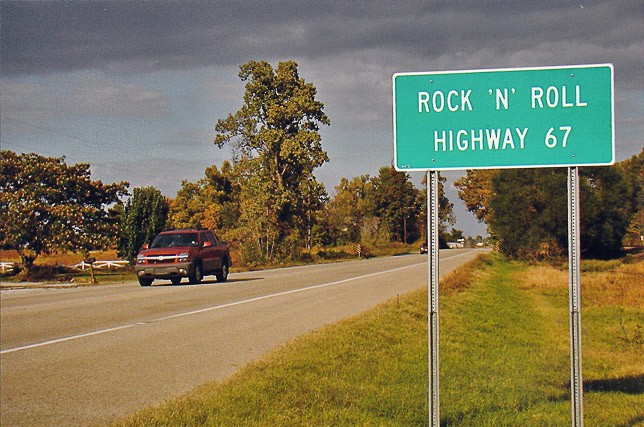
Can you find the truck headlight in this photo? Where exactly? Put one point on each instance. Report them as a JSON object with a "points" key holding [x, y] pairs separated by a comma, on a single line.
{"points": [[140, 259], [184, 257]]}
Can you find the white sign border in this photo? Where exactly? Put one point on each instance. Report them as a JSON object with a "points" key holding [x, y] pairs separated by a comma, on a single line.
{"points": [[490, 70]]}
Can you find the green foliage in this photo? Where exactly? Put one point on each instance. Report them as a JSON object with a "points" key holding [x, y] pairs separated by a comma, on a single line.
{"points": [[145, 215], [475, 189], [530, 214], [632, 170], [209, 203], [258, 226], [605, 212], [397, 203], [48, 206], [311, 204], [348, 210], [532, 205], [374, 234], [379, 210], [454, 235]]}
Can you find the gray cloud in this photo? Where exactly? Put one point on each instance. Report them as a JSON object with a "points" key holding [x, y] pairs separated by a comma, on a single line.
{"points": [[45, 37], [81, 96], [348, 49], [177, 61]]}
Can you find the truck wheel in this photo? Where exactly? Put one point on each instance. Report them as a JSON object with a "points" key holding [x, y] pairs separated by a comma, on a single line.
{"points": [[145, 282], [176, 281], [222, 276], [196, 276]]}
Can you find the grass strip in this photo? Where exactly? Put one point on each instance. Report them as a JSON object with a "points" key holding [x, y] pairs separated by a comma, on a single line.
{"points": [[498, 362]]}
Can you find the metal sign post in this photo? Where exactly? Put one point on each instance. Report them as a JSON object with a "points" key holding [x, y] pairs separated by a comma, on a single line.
{"points": [[576, 384], [432, 296]]}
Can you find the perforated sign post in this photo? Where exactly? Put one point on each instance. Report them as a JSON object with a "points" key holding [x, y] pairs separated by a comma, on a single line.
{"points": [[505, 118]]}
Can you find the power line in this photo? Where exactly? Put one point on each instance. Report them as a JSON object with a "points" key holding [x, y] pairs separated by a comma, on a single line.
{"points": [[54, 131]]}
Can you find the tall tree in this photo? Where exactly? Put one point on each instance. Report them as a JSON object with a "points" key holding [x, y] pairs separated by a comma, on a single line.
{"points": [[475, 189], [397, 204], [275, 135], [348, 209], [632, 170], [145, 215], [48, 206], [446, 215]]}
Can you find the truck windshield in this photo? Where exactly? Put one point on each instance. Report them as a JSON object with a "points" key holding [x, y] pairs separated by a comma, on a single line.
{"points": [[175, 239]]}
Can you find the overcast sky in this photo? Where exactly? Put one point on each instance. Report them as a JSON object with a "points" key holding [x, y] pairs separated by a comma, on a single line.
{"points": [[135, 88]]}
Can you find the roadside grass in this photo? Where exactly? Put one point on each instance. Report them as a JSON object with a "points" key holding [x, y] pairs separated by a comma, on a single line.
{"points": [[612, 336], [497, 364], [52, 276], [327, 254], [62, 258], [612, 317], [54, 268], [504, 359]]}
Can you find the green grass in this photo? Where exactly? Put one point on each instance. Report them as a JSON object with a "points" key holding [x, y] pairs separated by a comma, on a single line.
{"points": [[504, 360], [498, 365]]}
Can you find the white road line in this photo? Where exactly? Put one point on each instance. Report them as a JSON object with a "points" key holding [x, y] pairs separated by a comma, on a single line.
{"points": [[203, 310], [74, 337]]}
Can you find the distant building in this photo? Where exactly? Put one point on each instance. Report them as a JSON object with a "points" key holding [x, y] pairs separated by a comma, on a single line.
{"points": [[458, 244]]}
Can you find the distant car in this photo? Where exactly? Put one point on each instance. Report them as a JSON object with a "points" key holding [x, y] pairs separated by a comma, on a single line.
{"points": [[176, 254], [423, 248]]}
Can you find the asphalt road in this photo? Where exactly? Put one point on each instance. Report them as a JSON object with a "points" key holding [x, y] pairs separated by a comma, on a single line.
{"points": [[87, 356]]}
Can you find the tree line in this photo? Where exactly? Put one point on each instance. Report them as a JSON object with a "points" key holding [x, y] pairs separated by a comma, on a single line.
{"points": [[48, 207], [373, 211], [268, 202], [526, 209]]}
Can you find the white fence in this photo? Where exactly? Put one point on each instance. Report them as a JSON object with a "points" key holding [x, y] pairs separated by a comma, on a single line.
{"points": [[100, 265], [7, 267]]}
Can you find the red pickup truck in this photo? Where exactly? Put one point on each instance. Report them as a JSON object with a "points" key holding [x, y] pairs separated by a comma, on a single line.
{"points": [[176, 254]]}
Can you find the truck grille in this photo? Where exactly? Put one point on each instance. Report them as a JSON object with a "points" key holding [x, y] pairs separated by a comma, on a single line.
{"points": [[161, 259]]}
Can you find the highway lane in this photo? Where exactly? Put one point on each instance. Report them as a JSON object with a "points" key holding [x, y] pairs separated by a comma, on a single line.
{"points": [[86, 356]]}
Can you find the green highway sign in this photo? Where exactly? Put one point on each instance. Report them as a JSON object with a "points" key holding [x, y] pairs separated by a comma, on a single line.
{"points": [[504, 118]]}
